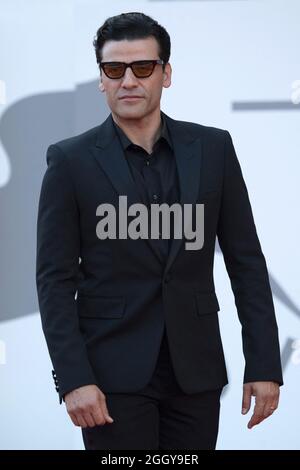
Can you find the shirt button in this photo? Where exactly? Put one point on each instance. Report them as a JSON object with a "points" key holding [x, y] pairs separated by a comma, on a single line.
{"points": [[155, 197], [147, 162]]}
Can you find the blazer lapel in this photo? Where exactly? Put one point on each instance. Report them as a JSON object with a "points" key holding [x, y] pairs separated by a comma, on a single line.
{"points": [[188, 155], [110, 156]]}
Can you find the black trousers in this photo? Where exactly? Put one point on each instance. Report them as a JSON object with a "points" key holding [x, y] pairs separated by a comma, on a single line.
{"points": [[161, 416]]}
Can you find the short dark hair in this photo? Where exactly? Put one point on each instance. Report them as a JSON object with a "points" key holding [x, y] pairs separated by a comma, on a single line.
{"points": [[131, 26]]}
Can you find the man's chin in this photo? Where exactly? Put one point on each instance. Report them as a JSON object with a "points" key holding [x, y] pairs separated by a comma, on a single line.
{"points": [[131, 114]]}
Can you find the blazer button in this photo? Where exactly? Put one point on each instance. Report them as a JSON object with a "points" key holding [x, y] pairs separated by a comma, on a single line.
{"points": [[167, 278]]}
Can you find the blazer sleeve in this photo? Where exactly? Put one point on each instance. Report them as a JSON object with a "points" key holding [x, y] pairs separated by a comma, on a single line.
{"points": [[247, 270], [57, 262]]}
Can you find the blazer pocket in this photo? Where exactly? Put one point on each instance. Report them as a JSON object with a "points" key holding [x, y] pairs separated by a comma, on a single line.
{"points": [[101, 307], [207, 303]]}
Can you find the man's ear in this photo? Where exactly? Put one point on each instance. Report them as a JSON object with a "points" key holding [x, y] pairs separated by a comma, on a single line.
{"points": [[101, 86], [167, 75]]}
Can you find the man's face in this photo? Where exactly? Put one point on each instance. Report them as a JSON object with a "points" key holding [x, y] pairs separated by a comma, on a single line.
{"points": [[148, 90]]}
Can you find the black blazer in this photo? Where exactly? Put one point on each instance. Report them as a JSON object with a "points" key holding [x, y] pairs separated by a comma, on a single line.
{"points": [[104, 303]]}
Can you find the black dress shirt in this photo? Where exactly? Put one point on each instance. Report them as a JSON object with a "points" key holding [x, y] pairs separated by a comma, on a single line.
{"points": [[155, 174]]}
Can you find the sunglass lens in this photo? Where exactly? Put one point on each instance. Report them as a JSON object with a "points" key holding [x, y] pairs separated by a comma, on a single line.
{"points": [[142, 69], [114, 70]]}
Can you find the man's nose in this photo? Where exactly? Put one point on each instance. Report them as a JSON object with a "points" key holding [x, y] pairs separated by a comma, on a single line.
{"points": [[129, 79]]}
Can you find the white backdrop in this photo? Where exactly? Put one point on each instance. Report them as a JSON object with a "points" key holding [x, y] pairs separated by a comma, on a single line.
{"points": [[245, 63]]}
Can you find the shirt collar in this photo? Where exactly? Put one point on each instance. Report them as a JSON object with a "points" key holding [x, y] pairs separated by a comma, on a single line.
{"points": [[126, 142]]}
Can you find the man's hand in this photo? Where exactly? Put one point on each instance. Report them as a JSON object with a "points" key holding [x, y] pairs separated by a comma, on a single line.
{"points": [[266, 400], [87, 406]]}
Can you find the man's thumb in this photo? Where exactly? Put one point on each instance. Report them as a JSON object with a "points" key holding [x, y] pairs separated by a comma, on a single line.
{"points": [[246, 402], [106, 413]]}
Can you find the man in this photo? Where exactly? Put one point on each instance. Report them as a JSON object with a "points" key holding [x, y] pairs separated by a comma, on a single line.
{"points": [[131, 320]]}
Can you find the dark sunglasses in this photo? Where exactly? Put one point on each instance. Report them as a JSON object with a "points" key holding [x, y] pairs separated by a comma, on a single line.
{"points": [[140, 68]]}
